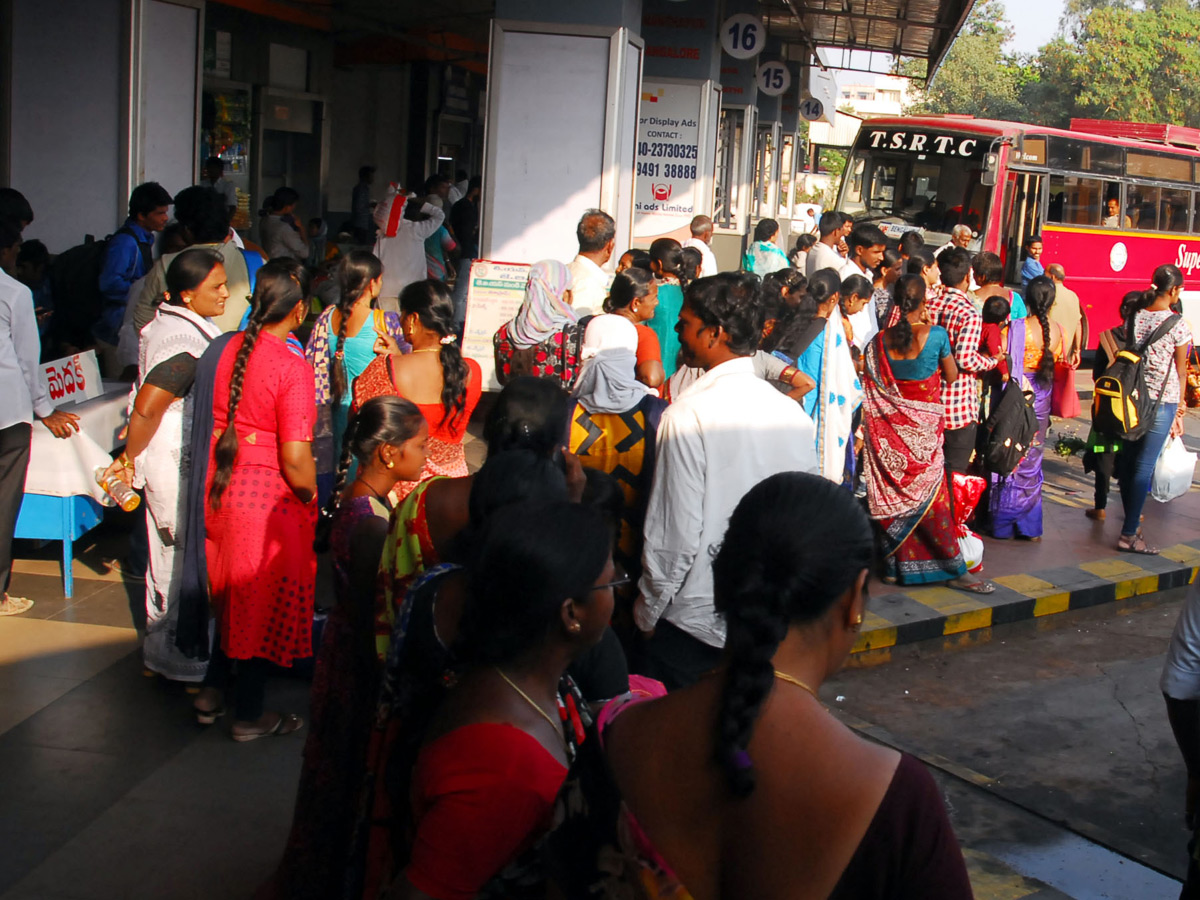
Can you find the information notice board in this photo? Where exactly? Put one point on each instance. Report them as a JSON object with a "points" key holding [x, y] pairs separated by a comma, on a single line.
{"points": [[494, 294], [668, 157]]}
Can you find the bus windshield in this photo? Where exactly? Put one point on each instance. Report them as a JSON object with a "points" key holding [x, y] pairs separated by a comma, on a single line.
{"points": [[906, 180]]}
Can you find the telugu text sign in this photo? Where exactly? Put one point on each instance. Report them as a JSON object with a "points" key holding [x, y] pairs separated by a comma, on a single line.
{"points": [[667, 160], [494, 294], [73, 379]]}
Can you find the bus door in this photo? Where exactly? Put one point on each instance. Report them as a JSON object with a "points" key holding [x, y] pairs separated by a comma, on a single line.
{"points": [[1022, 217]]}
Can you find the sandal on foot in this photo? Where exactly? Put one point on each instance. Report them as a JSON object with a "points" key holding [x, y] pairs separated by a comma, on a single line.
{"points": [[1136, 545], [208, 716], [285, 724], [977, 587], [14, 606]]}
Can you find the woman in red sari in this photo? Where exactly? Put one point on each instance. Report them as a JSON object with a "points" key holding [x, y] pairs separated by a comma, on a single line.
{"points": [[903, 461], [445, 388], [262, 486]]}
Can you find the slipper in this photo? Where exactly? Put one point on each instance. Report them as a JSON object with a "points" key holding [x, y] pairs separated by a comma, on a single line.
{"points": [[979, 587], [208, 716], [1137, 545], [286, 724], [14, 606]]}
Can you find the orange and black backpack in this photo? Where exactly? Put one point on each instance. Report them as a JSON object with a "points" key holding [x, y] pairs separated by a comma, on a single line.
{"points": [[1121, 403]]}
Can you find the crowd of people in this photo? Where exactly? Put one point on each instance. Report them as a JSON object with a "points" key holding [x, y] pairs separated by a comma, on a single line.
{"points": [[584, 664]]}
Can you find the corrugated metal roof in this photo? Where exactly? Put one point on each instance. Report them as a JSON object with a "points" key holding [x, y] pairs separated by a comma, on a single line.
{"points": [[920, 29]]}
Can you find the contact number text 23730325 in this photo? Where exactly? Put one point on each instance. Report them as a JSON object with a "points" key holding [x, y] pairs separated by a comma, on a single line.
{"points": [[665, 170], [667, 151]]}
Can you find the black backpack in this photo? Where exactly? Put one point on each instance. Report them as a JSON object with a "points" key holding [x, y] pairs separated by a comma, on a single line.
{"points": [[1010, 430], [75, 286], [1121, 404]]}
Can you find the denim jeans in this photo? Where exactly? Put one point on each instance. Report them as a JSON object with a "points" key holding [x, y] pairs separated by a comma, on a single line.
{"points": [[1139, 472]]}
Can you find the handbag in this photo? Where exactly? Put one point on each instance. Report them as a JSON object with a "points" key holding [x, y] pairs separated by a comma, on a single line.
{"points": [[1064, 399]]}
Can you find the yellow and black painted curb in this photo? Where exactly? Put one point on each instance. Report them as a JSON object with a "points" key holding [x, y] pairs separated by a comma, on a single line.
{"points": [[927, 613]]}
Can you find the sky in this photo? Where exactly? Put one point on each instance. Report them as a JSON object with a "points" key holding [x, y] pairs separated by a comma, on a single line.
{"points": [[1034, 22]]}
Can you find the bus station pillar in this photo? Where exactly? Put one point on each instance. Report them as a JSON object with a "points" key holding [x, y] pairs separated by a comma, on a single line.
{"points": [[563, 83], [677, 123]]}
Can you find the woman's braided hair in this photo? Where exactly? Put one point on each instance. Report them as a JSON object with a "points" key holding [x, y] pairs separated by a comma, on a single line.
{"points": [[908, 294], [386, 419], [276, 293], [795, 544], [355, 273], [1038, 300], [431, 302]]}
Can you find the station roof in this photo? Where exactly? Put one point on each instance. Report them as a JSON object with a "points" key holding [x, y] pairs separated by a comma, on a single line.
{"points": [[917, 29]]}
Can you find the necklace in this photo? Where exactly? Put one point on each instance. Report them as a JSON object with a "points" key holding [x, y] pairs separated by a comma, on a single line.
{"points": [[429, 350], [524, 696], [784, 676], [382, 498]]}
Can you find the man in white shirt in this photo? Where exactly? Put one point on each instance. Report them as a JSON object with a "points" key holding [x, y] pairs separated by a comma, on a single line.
{"points": [[701, 239], [867, 244], [214, 177], [24, 396], [597, 236], [401, 245], [960, 236], [824, 254], [724, 434], [459, 189]]}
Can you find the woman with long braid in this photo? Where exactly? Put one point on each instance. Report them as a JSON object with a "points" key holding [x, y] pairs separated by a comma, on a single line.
{"points": [[904, 452], [445, 387], [1016, 500], [345, 339], [262, 488], [387, 437], [743, 784]]}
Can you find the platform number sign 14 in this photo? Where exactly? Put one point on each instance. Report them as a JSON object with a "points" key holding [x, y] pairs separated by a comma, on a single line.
{"points": [[742, 36], [811, 109], [774, 78]]}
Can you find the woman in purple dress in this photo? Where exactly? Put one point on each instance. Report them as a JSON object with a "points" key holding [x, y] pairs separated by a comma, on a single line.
{"points": [[387, 437], [1016, 499]]}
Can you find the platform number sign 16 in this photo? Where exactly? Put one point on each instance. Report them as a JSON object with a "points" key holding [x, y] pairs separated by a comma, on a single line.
{"points": [[742, 36], [811, 109], [774, 78]]}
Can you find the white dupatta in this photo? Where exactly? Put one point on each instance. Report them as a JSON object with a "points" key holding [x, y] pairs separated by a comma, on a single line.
{"points": [[840, 395]]}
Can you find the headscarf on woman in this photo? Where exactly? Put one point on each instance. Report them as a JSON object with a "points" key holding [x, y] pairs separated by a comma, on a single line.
{"points": [[545, 310], [607, 382]]}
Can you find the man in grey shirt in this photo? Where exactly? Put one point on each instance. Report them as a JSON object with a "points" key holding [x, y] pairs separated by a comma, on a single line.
{"points": [[24, 396], [824, 254]]}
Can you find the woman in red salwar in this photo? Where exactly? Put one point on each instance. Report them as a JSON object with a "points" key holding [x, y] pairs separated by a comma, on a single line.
{"points": [[903, 461], [262, 486], [446, 387]]}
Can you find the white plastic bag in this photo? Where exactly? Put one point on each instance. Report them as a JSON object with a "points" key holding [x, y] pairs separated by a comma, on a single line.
{"points": [[1173, 472], [970, 545]]}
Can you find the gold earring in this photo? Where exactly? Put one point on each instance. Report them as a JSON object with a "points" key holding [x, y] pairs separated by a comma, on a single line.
{"points": [[390, 464], [575, 627], [857, 620]]}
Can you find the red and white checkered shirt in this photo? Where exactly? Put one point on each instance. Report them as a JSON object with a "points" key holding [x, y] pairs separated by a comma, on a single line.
{"points": [[954, 311]]}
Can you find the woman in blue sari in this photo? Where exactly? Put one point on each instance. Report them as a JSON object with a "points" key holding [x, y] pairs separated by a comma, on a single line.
{"points": [[764, 255], [813, 339], [1034, 344], [666, 262]]}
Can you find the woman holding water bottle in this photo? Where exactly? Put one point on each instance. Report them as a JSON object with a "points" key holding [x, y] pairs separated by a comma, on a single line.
{"points": [[156, 452]]}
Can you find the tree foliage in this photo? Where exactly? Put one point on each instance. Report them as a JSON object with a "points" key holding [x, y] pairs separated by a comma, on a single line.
{"points": [[1112, 59]]}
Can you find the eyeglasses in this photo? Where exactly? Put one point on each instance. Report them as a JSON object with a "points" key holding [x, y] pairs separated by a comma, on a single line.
{"points": [[619, 582]]}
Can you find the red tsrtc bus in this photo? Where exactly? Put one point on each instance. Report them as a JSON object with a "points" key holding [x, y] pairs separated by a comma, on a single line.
{"points": [[1112, 200]]}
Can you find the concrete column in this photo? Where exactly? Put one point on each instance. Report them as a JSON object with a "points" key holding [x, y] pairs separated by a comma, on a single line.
{"points": [[563, 84], [677, 124]]}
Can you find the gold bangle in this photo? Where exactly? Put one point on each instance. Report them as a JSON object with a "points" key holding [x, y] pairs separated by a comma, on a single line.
{"points": [[125, 461]]}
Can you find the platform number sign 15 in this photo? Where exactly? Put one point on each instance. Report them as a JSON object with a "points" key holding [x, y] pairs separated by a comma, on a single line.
{"points": [[774, 78], [811, 109], [742, 36]]}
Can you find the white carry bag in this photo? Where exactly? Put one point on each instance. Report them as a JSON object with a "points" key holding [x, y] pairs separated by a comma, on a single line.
{"points": [[1173, 472]]}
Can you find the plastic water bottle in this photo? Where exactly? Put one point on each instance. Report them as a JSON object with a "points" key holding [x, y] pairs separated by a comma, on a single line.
{"points": [[122, 494]]}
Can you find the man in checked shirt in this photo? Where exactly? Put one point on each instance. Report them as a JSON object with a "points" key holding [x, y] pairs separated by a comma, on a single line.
{"points": [[952, 309]]}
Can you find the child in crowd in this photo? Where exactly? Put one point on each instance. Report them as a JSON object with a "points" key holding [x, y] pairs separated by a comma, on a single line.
{"points": [[692, 261], [995, 315]]}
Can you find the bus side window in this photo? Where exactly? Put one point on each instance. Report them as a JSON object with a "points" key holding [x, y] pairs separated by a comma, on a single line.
{"points": [[1174, 210], [1143, 207], [1075, 200]]}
